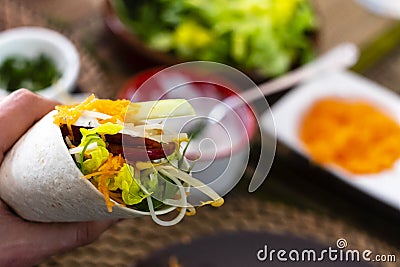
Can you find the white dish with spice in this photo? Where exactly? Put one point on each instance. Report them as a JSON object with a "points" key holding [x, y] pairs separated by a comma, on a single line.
{"points": [[30, 43], [289, 111]]}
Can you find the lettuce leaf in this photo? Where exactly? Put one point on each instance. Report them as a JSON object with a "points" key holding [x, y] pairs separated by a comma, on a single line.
{"points": [[131, 192], [267, 36], [99, 155], [123, 180], [106, 128]]}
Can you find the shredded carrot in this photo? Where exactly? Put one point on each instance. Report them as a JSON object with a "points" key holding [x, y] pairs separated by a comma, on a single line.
{"points": [[105, 172], [102, 186], [352, 134], [113, 163], [69, 114], [115, 108]]}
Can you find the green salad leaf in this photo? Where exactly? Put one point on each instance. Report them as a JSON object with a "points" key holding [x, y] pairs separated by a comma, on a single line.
{"points": [[124, 179], [100, 154], [131, 192], [266, 36], [98, 157]]}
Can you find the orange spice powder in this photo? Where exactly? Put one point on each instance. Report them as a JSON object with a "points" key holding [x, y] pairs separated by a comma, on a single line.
{"points": [[352, 134]]}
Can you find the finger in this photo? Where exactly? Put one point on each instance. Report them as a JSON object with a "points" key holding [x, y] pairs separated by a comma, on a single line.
{"points": [[18, 112], [50, 239]]}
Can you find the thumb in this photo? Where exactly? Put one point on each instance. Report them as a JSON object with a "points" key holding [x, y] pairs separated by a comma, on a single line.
{"points": [[38, 241]]}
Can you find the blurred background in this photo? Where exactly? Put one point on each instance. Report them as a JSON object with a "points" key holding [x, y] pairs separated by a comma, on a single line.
{"points": [[117, 40], [336, 21]]}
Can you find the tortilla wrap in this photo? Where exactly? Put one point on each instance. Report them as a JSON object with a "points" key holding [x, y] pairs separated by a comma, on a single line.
{"points": [[40, 181]]}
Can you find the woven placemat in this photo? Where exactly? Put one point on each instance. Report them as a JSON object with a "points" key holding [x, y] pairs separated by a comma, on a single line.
{"points": [[91, 78], [387, 71], [131, 240]]}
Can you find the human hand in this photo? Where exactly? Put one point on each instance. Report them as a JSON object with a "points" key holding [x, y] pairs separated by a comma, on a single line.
{"points": [[27, 243]]}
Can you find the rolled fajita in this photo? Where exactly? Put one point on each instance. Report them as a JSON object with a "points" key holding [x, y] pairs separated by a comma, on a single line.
{"points": [[102, 159]]}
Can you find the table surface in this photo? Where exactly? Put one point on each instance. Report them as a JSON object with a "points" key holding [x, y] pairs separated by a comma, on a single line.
{"points": [[340, 20]]}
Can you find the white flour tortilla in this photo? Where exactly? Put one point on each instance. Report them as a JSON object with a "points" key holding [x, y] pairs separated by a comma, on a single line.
{"points": [[40, 181]]}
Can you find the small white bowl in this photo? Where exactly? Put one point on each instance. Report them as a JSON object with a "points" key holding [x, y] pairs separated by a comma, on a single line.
{"points": [[32, 41], [388, 8]]}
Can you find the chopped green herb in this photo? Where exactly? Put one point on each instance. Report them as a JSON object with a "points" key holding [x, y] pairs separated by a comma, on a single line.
{"points": [[31, 73]]}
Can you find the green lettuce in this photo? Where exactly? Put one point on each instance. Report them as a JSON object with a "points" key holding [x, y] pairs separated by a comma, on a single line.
{"points": [[99, 155], [124, 180], [266, 36]]}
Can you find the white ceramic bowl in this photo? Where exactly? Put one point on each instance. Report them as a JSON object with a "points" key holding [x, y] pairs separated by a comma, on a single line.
{"points": [[32, 41], [288, 113], [389, 8]]}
